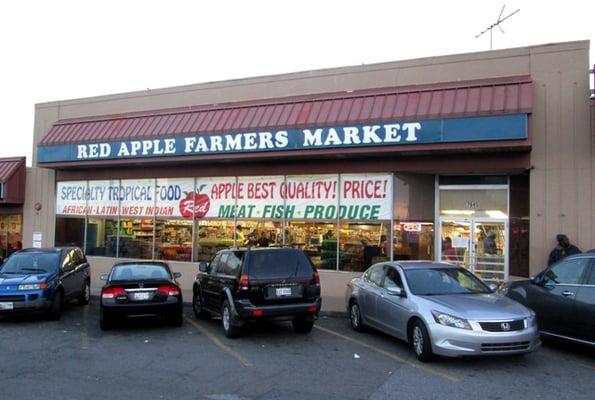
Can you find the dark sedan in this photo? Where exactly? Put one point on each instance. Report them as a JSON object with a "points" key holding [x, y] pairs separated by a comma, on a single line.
{"points": [[140, 288], [563, 297]]}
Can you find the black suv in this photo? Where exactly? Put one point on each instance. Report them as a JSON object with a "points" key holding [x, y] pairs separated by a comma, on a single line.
{"points": [[243, 285]]}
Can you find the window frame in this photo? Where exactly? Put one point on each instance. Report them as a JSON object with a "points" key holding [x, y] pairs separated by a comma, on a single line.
{"points": [[581, 280], [371, 270], [391, 268]]}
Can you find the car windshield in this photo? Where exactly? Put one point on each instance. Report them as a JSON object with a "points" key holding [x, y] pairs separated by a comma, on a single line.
{"points": [[441, 281], [31, 263], [278, 264], [138, 272]]}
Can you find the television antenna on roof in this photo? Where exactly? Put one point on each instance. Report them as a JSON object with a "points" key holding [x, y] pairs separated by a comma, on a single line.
{"points": [[497, 24]]}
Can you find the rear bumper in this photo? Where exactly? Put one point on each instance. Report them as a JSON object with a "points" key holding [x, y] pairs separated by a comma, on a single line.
{"points": [[455, 342], [245, 309], [171, 306]]}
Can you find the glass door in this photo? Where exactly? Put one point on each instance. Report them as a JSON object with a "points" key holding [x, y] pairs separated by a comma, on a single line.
{"points": [[478, 245], [456, 246], [489, 243]]}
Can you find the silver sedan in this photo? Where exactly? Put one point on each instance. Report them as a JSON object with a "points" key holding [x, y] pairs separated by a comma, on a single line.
{"points": [[440, 309]]}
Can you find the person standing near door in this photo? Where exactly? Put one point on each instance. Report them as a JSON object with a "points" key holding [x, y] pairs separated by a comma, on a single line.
{"points": [[489, 244], [563, 249]]}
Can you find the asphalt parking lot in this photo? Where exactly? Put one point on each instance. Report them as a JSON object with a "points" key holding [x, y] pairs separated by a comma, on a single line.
{"points": [[145, 359]]}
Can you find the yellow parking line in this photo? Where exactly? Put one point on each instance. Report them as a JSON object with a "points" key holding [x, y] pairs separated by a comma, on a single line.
{"points": [[219, 343], [392, 356]]}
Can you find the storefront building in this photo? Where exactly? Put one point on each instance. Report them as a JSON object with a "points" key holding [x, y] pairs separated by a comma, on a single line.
{"points": [[12, 197], [478, 159]]}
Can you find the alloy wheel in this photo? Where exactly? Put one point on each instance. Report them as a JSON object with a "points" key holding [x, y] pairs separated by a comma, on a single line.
{"points": [[418, 340], [355, 315], [226, 317]]}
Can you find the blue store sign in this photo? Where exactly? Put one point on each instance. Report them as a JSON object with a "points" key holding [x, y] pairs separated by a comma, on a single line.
{"points": [[435, 131]]}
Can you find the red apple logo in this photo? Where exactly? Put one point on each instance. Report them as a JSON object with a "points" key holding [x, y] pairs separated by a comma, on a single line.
{"points": [[195, 204]]}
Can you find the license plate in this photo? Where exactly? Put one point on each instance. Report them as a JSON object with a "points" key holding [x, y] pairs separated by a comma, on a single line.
{"points": [[283, 291], [141, 296], [6, 305]]}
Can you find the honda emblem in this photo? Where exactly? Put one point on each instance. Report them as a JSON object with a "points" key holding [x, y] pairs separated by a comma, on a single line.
{"points": [[505, 326]]}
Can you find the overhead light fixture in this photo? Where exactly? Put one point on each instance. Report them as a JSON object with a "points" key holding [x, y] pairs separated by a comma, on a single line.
{"points": [[496, 214], [458, 212]]}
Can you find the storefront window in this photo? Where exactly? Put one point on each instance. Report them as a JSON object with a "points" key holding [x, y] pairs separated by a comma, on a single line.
{"points": [[175, 240], [70, 231], [102, 223], [11, 237], [102, 237], [413, 241], [259, 233], [210, 237], [190, 219], [174, 210], [136, 238], [137, 208], [362, 244]]}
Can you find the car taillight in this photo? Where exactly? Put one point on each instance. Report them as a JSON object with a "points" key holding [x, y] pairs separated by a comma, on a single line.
{"points": [[312, 310], [169, 290], [244, 282], [257, 313], [112, 292], [316, 278]]}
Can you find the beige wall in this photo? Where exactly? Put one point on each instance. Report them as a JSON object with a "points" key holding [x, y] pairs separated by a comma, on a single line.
{"points": [[562, 188], [40, 189]]}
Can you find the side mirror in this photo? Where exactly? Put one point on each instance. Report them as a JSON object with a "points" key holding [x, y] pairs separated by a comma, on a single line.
{"points": [[203, 266], [103, 277], [395, 291], [177, 275], [493, 287]]}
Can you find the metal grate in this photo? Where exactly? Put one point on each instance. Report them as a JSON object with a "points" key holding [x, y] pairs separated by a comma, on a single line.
{"points": [[512, 346], [503, 326]]}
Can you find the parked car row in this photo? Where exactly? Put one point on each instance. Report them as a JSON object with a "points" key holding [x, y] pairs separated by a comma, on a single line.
{"points": [[443, 309], [438, 308], [239, 285]]}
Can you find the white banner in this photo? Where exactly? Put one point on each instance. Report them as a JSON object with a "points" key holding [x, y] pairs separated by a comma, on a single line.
{"points": [[316, 197], [71, 198]]}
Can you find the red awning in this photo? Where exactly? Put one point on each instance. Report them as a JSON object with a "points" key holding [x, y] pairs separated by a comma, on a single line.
{"points": [[448, 100], [12, 178], [9, 166]]}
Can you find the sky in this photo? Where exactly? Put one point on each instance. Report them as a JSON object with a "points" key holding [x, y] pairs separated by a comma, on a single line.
{"points": [[59, 49]]}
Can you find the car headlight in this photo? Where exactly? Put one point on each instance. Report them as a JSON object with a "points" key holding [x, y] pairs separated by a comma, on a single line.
{"points": [[33, 286], [532, 320], [449, 320]]}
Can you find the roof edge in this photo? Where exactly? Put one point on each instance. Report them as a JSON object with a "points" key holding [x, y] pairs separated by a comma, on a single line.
{"points": [[245, 81], [515, 79]]}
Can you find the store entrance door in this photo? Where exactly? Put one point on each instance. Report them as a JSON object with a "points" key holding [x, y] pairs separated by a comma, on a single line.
{"points": [[479, 245]]}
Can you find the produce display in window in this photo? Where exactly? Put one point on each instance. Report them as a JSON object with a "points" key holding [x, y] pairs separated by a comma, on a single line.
{"points": [[210, 237], [175, 241], [361, 245], [317, 239]]}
